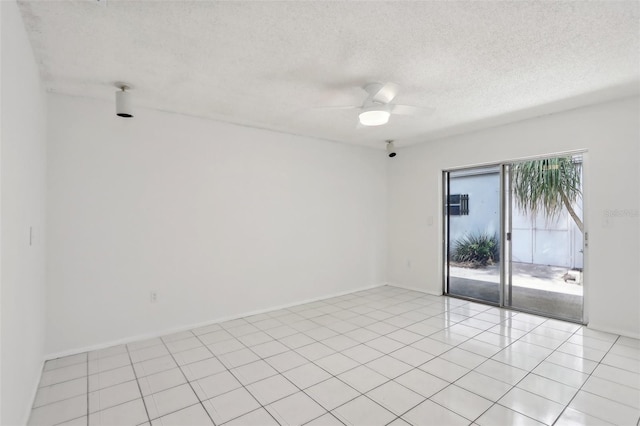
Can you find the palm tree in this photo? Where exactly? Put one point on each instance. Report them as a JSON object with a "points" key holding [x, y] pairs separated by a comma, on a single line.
{"points": [[548, 185]]}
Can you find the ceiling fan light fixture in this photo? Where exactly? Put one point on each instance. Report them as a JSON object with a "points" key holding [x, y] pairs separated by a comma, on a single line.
{"points": [[375, 116]]}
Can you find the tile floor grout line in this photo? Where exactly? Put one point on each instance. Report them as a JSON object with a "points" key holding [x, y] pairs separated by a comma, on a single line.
{"points": [[172, 353], [389, 354], [325, 339], [241, 384], [529, 371], [319, 366], [585, 382], [382, 307], [186, 378], [416, 367], [488, 358], [313, 362], [135, 375], [88, 389]]}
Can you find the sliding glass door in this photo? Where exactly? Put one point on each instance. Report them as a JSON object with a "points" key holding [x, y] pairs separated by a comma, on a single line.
{"points": [[472, 215], [546, 243], [514, 235]]}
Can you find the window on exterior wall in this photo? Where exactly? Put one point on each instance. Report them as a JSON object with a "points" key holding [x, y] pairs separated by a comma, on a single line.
{"points": [[458, 204]]}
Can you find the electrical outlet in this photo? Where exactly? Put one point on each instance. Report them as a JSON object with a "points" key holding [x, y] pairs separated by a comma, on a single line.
{"points": [[154, 296]]}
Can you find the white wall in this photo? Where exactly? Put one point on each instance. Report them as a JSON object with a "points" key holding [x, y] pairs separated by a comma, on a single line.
{"points": [[610, 132], [22, 165], [219, 219], [484, 205]]}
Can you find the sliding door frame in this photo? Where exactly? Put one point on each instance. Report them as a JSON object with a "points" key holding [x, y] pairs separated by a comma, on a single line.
{"points": [[446, 234], [506, 204]]}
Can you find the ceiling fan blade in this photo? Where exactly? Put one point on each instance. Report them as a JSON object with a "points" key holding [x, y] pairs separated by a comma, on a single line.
{"points": [[386, 93], [411, 110], [337, 107]]}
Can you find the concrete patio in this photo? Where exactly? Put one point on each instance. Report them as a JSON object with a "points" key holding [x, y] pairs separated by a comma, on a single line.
{"points": [[538, 288]]}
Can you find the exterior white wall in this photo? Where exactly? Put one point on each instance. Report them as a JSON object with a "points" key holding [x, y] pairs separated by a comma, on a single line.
{"points": [[484, 205], [543, 241], [538, 240], [22, 166], [219, 219], [610, 132]]}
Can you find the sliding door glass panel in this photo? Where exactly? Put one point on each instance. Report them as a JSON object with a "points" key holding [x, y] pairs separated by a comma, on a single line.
{"points": [[472, 234], [546, 232]]}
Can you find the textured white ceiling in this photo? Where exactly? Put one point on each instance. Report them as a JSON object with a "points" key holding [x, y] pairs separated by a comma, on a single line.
{"points": [[268, 64]]}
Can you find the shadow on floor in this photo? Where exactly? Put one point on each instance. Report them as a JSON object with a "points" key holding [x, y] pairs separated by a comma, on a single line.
{"points": [[561, 305]]}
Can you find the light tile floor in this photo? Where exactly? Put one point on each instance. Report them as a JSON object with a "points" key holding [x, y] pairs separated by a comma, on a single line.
{"points": [[375, 357]]}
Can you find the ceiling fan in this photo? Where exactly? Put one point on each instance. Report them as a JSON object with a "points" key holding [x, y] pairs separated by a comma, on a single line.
{"points": [[377, 107]]}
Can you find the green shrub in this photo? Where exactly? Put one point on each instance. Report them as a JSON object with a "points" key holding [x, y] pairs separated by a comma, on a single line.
{"points": [[477, 250]]}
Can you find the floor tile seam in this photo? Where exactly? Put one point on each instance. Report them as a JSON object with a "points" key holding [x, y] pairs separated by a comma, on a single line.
{"points": [[341, 404], [353, 399], [45, 370], [324, 414], [522, 414], [477, 372], [614, 400], [633, 358], [472, 392], [571, 368], [135, 375], [455, 412], [525, 390], [347, 336], [531, 372], [588, 359], [521, 337], [512, 386], [366, 392], [243, 386], [141, 398], [60, 382], [424, 398], [119, 403], [621, 356], [248, 412], [336, 377], [115, 368], [320, 341], [637, 348], [175, 411], [88, 393], [33, 407], [616, 383], [397, 418], [591, 347], [585, 382], [75, 418], [189, 383]]}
